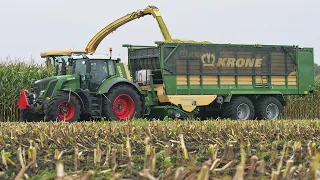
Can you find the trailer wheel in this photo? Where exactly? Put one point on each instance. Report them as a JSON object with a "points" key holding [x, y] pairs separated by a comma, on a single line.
{"points": [[123, 102], [240, 108], [30, 116], [268, 108], [63, 107]]}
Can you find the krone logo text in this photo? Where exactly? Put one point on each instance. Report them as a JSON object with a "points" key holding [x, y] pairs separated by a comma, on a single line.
{"points": [[209, 59]]}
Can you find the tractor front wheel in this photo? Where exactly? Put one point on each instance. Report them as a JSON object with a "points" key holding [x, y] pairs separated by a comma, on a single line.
{"points": [[63, 107]]}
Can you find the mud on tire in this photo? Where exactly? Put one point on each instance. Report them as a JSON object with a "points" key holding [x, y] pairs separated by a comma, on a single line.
{"points": [[63, 107], [122, 102], [240, 108]]}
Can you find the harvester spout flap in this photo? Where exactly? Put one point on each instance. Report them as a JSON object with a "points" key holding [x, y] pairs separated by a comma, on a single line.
{"points": [[23, 101]]}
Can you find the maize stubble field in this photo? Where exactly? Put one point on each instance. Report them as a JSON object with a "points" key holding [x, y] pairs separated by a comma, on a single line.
{"points": [[143, 149]]}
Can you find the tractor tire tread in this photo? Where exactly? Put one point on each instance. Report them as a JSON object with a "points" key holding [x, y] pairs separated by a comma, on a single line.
{"points": [[53, 105]]}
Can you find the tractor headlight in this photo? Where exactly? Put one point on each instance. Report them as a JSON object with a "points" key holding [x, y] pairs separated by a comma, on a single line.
{"points": [[41, 93]]}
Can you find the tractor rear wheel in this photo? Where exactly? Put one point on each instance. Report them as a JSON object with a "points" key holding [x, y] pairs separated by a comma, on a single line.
{"points": [[240, 108], [122, 102], [63, 107]]}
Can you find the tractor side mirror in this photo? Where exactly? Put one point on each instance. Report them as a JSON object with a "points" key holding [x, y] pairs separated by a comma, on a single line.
{"points": [[63, 68], [57, 69], [88, 66], [70, 62], [87, 76]]}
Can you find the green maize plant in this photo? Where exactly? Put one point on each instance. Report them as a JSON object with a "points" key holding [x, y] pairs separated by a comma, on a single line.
{"points": [[15, 76], [307, 107]]}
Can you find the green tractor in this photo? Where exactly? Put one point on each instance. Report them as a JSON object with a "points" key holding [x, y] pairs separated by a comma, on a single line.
{"points": [[95, 81]]}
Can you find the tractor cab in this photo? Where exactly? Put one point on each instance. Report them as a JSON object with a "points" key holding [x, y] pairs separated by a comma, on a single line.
{"points": [[93, 69]]}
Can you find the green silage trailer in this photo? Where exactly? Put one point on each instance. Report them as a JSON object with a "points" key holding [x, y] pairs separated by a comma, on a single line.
{"points": [[236, 81]]}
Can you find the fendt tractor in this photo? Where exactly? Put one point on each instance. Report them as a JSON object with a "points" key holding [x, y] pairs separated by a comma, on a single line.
{"points": [[179, 80]]}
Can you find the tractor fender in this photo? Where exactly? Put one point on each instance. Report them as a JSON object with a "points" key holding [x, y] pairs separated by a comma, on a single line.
{"points": [[119, 81], [76, 95]]}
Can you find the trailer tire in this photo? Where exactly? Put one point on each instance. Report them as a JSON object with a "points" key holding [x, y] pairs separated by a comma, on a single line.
{"points": [[63, 107], [240, 108], [268, 108], [123, 102]]}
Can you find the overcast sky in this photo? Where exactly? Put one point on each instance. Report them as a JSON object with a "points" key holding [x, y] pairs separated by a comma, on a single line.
{"points": [[29, 27]]}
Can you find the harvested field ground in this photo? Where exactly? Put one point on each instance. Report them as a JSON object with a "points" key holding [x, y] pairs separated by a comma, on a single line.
{"points": [[161, 149]]}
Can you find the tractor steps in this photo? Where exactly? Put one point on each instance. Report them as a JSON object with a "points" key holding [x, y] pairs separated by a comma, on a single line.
{"points": [[96, 106]]}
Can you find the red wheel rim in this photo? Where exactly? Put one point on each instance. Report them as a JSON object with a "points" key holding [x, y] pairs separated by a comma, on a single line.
{"points": [[65, 110], [123, 106]]}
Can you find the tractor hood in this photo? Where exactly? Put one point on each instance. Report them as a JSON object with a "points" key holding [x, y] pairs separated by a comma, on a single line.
{"points": [[42, 84]]}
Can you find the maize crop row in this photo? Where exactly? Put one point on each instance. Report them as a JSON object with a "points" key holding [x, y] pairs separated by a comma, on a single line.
{"points": [[142, 149]]}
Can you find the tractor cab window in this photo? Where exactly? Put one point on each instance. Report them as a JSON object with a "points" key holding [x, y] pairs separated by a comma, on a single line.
{"points": [[79, 68], [52, 61], [100, 70], [111, 68]]}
